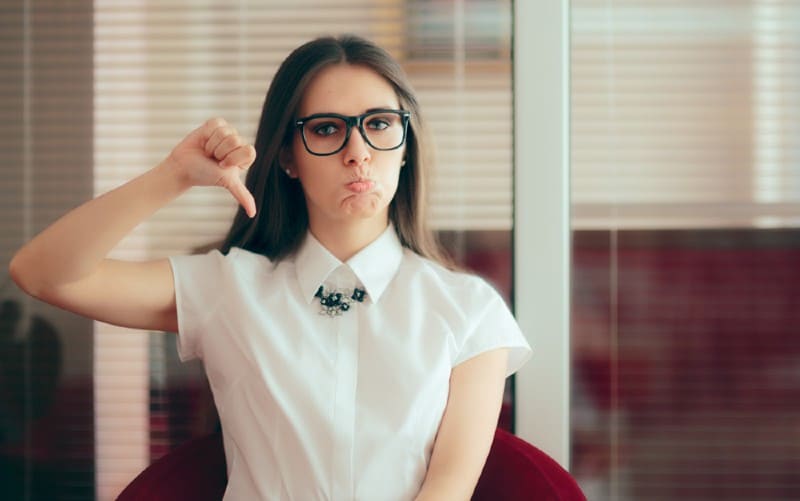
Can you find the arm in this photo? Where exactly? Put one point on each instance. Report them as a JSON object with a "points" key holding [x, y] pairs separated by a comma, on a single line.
{"points": [[467, 429], [65, 265]]}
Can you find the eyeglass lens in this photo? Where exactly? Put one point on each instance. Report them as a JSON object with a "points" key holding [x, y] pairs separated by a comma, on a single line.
{"points": [[327, 134]]}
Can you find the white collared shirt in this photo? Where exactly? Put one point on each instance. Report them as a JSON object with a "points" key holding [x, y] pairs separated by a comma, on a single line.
{"points": [[341, 407]]}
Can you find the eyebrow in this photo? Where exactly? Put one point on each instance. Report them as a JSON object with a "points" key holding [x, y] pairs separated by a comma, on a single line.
{"points": [[381, 108], [370, 110]]}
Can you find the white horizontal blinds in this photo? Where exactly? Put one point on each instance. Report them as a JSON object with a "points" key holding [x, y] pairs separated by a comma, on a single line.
{"points": [[776, 80], [684, 113], [458, 57], [469, 115]]}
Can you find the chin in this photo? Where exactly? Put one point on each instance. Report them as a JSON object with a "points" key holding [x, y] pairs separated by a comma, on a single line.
{"points": [[364, 207], [361, 215]]}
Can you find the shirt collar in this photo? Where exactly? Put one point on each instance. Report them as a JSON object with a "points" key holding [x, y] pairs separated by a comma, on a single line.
{"points": [[374, 266]]}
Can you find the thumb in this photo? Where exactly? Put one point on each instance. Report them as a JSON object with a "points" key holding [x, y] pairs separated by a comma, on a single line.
{"points": [[243, 196]]}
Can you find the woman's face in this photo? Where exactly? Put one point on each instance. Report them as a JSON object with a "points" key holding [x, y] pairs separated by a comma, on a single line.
{"points": [[357, 183]]}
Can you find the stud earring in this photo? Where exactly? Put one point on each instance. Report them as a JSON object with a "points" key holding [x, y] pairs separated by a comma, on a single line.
{"points": [[288, 172], [403, 163]]}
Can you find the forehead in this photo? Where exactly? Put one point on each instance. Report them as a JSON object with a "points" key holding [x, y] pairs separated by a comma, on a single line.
{"points": [[347, 89]]}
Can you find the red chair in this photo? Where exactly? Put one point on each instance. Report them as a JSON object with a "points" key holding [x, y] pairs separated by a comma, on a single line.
{"points": [[515, 471]]}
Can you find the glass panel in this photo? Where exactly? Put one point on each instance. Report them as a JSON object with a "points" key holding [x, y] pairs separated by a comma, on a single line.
{"points": [[46, 372], [685, 250], [685, 356]]}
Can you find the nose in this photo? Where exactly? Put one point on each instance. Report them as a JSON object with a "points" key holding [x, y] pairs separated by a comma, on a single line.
{"points": [[356, 151]]}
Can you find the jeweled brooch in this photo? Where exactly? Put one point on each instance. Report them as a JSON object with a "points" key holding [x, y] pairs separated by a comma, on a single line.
{"points": [[336, 302]]}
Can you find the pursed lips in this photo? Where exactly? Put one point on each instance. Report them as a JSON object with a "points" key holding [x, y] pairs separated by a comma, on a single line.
{"points": [[360, 185]]}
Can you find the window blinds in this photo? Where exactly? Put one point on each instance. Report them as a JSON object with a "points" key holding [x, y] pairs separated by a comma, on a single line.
{"points": [[685, 113]]}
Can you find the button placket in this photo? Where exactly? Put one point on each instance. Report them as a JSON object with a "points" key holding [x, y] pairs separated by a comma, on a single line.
{"points": [[344, 406]]}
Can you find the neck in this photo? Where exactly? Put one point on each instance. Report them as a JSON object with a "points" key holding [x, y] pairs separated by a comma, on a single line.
{"points": [[344, 239]]}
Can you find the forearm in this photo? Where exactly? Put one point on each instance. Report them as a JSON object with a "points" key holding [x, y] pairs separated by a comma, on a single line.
{"points": [[73, 246]]}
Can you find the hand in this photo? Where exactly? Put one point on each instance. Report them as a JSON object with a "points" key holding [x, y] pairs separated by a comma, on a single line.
{"points": [[214, 154]]}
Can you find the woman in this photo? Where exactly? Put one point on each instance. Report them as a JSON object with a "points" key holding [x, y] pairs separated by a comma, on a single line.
{"points": [[346, 361]]}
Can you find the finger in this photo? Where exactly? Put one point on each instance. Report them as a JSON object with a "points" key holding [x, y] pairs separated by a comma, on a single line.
{"points": [[216, 138], [242, 157], [228, 144], [210, 126], [243, 196]]}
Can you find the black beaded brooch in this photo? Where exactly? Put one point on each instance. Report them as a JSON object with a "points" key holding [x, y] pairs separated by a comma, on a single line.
{"points": [[334, 303]]}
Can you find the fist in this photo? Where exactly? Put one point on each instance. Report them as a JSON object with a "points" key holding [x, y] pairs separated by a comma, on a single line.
{"points": [[215, 154]]}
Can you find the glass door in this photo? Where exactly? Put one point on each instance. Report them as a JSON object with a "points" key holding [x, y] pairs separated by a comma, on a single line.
{"points": [[685, 216]]}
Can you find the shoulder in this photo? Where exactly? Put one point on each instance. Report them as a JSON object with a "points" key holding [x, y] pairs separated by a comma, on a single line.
{"points": [[245, 258], [467, 291], [472, 311], [430, 270], [213, 263]]}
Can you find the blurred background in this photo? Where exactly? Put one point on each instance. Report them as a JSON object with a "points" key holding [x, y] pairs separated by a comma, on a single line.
{"points": [[685, 203]]}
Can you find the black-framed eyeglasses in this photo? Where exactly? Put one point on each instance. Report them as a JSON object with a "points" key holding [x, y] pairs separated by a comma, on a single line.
{"points": [[327, 133]]}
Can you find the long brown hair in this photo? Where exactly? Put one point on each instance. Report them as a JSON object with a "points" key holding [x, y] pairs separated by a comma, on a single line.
{"points": [[282, 220]]}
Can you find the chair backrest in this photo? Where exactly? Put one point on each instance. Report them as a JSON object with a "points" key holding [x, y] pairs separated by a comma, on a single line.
{"points": [[515, 471], [195, 470]]}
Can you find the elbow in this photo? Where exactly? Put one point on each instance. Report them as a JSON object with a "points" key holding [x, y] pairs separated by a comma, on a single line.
{"points": [[22, 275]]}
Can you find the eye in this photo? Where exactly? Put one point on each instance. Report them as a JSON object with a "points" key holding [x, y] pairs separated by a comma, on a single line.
{"points": [[379, 123], [325, 129]]}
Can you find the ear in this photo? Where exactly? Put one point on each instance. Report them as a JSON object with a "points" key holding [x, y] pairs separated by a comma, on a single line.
{"points": [[286, 160]]}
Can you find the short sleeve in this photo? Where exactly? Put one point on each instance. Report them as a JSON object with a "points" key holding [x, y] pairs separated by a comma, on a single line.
{"points": [[492, 327], [197, 279]]}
